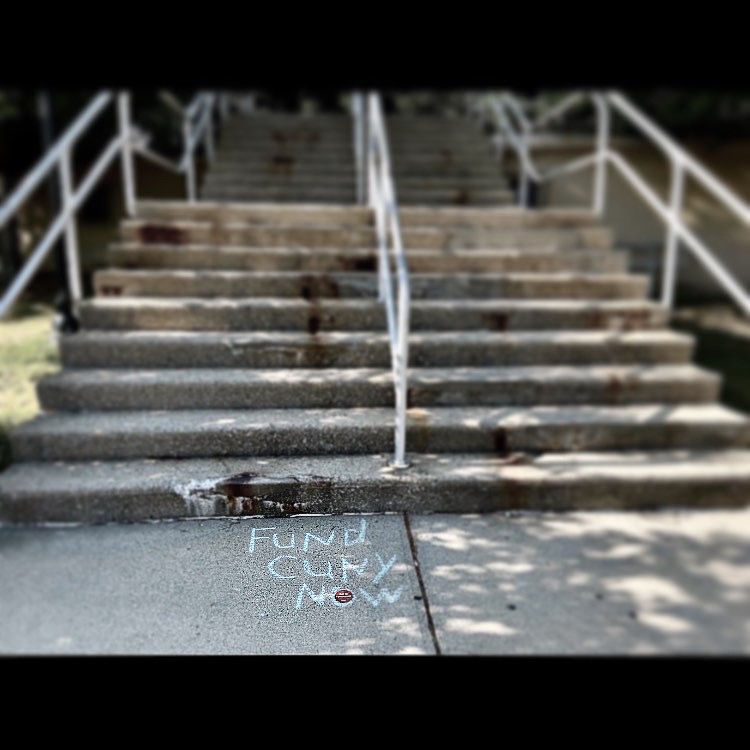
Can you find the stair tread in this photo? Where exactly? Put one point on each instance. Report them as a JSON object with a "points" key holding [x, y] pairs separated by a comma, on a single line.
{"points": [[375, 375], [152, 421], [480, 338], [572, 276], [177, 474], [451, 304]]}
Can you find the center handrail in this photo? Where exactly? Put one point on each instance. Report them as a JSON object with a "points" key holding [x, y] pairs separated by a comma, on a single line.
{"points": [[381, 197]]}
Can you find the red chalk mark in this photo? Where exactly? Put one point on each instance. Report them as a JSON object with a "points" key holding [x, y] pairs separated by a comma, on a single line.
{"points": [[343, 596]]}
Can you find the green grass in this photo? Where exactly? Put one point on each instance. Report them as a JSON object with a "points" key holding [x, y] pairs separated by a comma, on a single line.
{"points": [[28, 351]]}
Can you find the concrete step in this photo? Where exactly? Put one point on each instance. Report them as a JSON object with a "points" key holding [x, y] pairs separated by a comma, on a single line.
{"points": [[455, 197], [196, 433], [282, 194], [321, 185], [259, 213], [135, 255], [194, 313], [138, 490], [461, 146], [422, 157], [279, 154], [427, 170], [230, 388], [179, 232], [499, 218], [454, 238], [208, 283], [398, 124], [241, 179], [450, 182], [370, 349], [288, 135], [450, 217], [270, 156], [241, 168], [285, 128]]}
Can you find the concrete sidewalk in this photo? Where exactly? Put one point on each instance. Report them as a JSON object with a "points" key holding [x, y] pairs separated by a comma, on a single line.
{"points": [[608, 583]]}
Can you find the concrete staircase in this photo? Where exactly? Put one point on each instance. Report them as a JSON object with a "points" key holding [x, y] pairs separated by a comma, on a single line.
{"points": [[282, 158], [444, 161], [234, 358]]}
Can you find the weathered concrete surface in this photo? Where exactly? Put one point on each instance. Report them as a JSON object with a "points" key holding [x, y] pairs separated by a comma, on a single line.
{"points": [[254, 213], [300, 258], [369, 349], [665, 583], [183, 231], [206, 588], [280, 314], [673, 582], [233, 283], [135, 490], [226, 388], [194, 433]]}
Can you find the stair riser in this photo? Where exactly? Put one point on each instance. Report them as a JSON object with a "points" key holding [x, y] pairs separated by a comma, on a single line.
{"points": [[260, 235], [281, 163], [430, 171], [222, 395], [164, 211], [328, 183], [481, 238], [279, 440], [260, 174], [290, 195], [241, 181], [126, 353], [114, 505], [456, 197], [165, 257], [416, 238], [501, 219], [309, 286], [314, 318], [358, 215], [218, 488]]}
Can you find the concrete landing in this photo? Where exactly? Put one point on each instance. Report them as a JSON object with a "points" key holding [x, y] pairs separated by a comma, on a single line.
{"points": [[664, 583]]}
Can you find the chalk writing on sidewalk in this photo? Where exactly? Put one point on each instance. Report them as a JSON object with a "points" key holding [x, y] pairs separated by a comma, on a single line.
{"points": [[340, 586]]}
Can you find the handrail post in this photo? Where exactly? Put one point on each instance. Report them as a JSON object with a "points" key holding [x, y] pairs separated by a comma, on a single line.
{"points": [[359, 145], [209, 136], [71, 231], [190, 163], [224, 106], [128, 173], [523, 189], [602, 146], [671, 243], [402, 357]]}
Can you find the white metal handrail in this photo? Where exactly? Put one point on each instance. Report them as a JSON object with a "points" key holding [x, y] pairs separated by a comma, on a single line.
{"points": [[60, 157], [197, 124], [681, 164], [359, 146], [381, 197]]}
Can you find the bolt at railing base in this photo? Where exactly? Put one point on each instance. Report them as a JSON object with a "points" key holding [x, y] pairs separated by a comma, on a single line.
{"points": [[399, 465]]}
